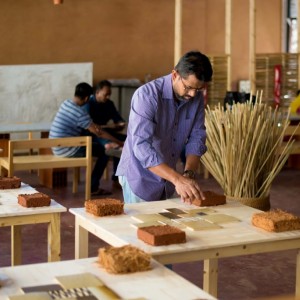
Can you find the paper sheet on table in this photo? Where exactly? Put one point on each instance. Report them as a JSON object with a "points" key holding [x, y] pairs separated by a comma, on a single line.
{"points": [[148, 217], [200, 225], [79, 280], [220, 218]]}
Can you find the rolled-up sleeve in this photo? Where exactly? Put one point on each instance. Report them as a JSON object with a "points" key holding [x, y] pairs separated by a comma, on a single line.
{"points": [[197, 138]]}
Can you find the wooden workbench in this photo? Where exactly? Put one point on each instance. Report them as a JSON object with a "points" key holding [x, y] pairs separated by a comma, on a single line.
{"points": [[14, 215], [233, 239], [158, 283]]}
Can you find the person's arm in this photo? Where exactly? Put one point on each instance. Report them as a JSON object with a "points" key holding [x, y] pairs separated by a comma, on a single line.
{"points": [[187, 188], [96, 129], [115, 127], [192, 163], [197, 137], [195, 146]]}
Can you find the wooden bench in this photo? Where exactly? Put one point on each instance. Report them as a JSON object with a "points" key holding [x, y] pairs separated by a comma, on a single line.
{"points": [[294, 131], [15, 162]]}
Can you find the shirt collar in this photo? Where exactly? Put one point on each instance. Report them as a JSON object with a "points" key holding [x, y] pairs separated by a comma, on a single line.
{"points": [[168, 87]]}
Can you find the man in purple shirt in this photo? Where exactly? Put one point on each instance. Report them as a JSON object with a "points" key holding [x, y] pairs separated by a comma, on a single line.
{"points": [[166, 115]]}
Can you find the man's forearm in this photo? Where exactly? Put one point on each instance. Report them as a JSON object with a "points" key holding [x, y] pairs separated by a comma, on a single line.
{"points": [[108, 136], [187, 188], [165, 172], [96, 129], [192, 163]]}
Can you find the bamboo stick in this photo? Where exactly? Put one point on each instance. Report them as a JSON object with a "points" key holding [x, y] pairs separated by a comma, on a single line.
{"points": [[243, 147]]}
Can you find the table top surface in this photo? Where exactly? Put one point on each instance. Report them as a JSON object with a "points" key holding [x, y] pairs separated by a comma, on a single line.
{"points": [[117, 230], [9, 203], [157, 283], [24, 127]]}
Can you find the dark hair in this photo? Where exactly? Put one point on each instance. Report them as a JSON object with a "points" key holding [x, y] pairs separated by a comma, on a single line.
{"points": [[101, 84], [83, 90], [195, 63]]}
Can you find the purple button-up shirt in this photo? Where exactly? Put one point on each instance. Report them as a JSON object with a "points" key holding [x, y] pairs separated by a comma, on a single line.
{"points": [[158, 129]]}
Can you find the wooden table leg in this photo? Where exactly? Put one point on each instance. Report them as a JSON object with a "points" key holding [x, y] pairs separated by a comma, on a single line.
{"points": [[81, 241], [210, 276], [4, 139], [298, 275], [54, 238], [16, 245]]}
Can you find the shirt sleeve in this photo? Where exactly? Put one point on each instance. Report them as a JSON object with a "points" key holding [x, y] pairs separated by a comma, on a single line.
{"points": [[84, 120], [197, 138], [142, 115]]}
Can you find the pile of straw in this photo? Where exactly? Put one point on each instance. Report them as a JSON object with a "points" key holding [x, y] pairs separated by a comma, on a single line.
{"points": [[243, 148]]}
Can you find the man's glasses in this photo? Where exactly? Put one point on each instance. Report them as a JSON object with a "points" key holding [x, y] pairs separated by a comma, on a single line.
{"points": [[188, 88]]}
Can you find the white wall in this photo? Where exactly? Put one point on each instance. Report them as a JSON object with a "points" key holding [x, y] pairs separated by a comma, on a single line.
{"points": [[33, 93]]}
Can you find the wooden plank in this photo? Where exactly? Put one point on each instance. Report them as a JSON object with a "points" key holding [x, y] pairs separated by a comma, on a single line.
{"points": [[252, 45], [178, 31], [54, 238], [228, 40], [210, 276], [48, 143], [297, 292], [81, 240], [16, 245]]}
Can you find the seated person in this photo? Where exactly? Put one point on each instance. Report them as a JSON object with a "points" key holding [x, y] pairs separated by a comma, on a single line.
{"points": [[70, 120], [102, 110]]}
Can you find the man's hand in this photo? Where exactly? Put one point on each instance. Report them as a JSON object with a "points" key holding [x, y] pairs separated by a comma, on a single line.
{"points": [[95, 129], [188, 189], [98, 130]]}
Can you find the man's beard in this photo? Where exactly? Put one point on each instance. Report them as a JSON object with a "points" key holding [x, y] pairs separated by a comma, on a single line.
{"points": [[183, 98]]}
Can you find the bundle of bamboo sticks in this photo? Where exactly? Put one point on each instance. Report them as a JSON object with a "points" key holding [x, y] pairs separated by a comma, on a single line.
{"points": [[243, 147]]}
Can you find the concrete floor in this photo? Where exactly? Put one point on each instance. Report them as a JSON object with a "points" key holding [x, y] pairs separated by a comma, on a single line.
{"points": [[245, 277]]}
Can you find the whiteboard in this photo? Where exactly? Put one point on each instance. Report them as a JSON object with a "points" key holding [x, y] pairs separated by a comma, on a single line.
{"points": [[33, 93]]}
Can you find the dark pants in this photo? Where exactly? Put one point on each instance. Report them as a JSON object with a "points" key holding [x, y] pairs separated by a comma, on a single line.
{"points": [[100, 165]]}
